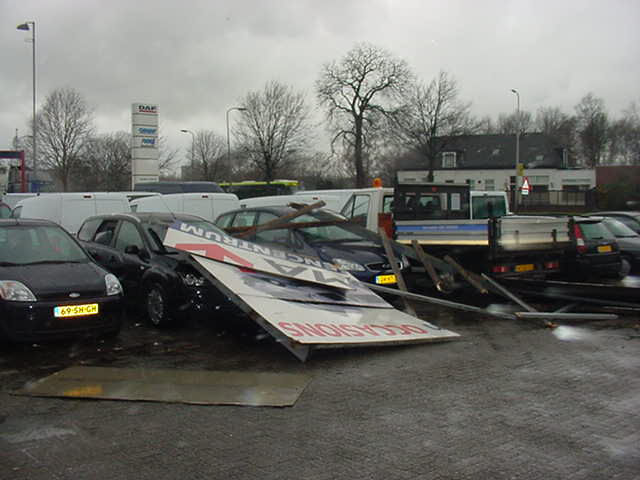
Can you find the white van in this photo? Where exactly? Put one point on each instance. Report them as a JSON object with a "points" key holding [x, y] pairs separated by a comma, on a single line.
{"points": [[205, 205], [71, 209], [331, 202]]}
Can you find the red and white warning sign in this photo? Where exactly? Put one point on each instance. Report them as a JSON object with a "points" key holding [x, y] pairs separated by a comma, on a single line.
{"points": [[526, 187]]}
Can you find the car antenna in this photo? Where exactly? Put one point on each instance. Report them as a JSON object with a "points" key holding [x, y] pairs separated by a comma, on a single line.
{"points": [[167, 206]]}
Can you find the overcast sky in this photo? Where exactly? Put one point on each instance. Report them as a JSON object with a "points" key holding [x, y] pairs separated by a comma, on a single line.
{"points": [[195, 59]]}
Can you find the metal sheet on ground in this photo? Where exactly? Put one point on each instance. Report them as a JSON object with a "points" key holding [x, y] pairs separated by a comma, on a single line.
{"points": [[321, 323], [324, 325], [257, 389], [221, 247], [258, 284]]}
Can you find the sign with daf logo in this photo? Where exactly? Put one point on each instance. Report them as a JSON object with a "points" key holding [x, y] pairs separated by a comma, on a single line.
{"points": [[144, 151], [143, 108]]}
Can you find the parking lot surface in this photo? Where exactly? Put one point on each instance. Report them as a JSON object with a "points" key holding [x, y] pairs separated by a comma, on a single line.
{"points": [[508, 400]]}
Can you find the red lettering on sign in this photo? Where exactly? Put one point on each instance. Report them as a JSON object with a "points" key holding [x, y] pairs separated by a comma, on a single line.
{"points": [[290, 328], [332, 331], [414, 329], [389, 330], [351, 330], [368, 329], [309, 329], [215, 252]]}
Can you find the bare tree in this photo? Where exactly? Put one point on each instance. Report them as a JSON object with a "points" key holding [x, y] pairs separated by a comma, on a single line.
{"points": [[592, 128], [65, 122], [432, 115], [508, 124], [624, 136], [106, 165], [559, 126], [273, 129], [358, 93], [167, 159], [209, 155]]}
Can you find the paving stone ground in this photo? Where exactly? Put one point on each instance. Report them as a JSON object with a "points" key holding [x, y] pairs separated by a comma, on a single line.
{"points": [[509, 400]]}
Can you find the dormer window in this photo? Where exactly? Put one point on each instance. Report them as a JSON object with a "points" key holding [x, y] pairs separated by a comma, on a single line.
{"points": [[448, 159]]}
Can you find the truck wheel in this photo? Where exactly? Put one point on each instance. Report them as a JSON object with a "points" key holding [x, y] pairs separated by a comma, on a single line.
{"points": [[157, 306]]}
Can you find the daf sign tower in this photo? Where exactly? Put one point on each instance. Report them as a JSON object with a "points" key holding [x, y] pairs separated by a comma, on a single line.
{"points": [[144, 148]]}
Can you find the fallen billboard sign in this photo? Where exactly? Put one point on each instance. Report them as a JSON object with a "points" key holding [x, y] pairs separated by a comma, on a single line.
{"points": [[221, 247], [300, 311]]}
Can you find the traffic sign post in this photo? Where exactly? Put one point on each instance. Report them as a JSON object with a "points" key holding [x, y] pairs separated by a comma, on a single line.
{"points": [[526, 187]]}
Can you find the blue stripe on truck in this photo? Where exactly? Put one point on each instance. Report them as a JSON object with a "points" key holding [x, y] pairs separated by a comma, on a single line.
{"points": [[482, 227]]}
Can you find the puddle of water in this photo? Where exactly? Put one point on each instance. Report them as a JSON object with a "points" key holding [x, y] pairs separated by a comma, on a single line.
{"points": [[572, 334]]}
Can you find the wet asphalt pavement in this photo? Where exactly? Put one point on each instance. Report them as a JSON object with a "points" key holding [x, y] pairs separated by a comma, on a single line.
{"points": [[508, 400]]}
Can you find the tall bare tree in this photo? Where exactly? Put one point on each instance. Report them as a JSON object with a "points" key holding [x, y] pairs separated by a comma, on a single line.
{"points": [[106, 164], [209, 155], [273, 129], [65, 123], [432, 115], [358, 93], [624, 136], [592, 128], [559, 126]]}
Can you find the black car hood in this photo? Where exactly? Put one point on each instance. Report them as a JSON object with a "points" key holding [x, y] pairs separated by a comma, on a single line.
{"points": [[360, 252], [54, 279]]}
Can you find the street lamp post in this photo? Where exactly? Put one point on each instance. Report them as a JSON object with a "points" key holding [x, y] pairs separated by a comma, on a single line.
{"points": [[193, 150], [515, 190], [240, 109], [25, 26]]}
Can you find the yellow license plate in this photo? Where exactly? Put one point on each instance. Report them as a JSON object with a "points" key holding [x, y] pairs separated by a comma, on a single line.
{"points": [[385, 279], [75, 310], [527, 267], [604, 248]]}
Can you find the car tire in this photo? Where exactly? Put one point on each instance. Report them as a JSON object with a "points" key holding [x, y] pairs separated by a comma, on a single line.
{"points": [[157, 306], [626, 267]]}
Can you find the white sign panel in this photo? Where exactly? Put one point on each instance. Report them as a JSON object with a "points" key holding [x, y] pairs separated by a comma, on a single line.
{"points": [[144, 150], [319, 323], [258, 284], [219, 246]]}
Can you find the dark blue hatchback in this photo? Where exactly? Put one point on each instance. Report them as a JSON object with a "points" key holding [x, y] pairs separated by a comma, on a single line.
{"points": [[323, 234]]}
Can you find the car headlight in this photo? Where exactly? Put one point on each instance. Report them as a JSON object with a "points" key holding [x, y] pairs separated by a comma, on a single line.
{"points": [[192, 280], [113, 284], [15, 291], [348, 265]]}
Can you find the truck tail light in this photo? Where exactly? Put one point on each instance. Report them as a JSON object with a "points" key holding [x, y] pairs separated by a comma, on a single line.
{"points": [[499, 269], [582, 248], [385, 221]]}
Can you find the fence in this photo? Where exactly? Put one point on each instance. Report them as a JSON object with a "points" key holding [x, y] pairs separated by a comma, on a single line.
{"points": [[556, 200]]}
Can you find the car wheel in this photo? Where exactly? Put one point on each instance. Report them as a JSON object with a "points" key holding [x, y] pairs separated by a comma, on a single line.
{"points": [[626, 267], [157, 306]]}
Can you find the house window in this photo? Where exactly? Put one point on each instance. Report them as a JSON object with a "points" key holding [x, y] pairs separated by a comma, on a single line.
{"points": [[489, 184], [448, 159]]}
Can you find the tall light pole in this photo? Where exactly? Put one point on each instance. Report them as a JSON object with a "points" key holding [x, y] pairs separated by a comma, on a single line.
{"points": [[240, 109], [515, 190], [25, 26], [193, 150]]}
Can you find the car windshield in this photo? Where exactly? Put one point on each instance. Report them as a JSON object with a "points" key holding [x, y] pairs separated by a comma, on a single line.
{"points": [[157, 229], [339, 232], [619, 229], [33, 244]]}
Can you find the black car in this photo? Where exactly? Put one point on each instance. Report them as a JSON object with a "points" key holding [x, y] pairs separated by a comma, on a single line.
{"points": [[50, 288], [628, 242], [333, 238], [594, 252], [630, 219], [159, 279]]}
